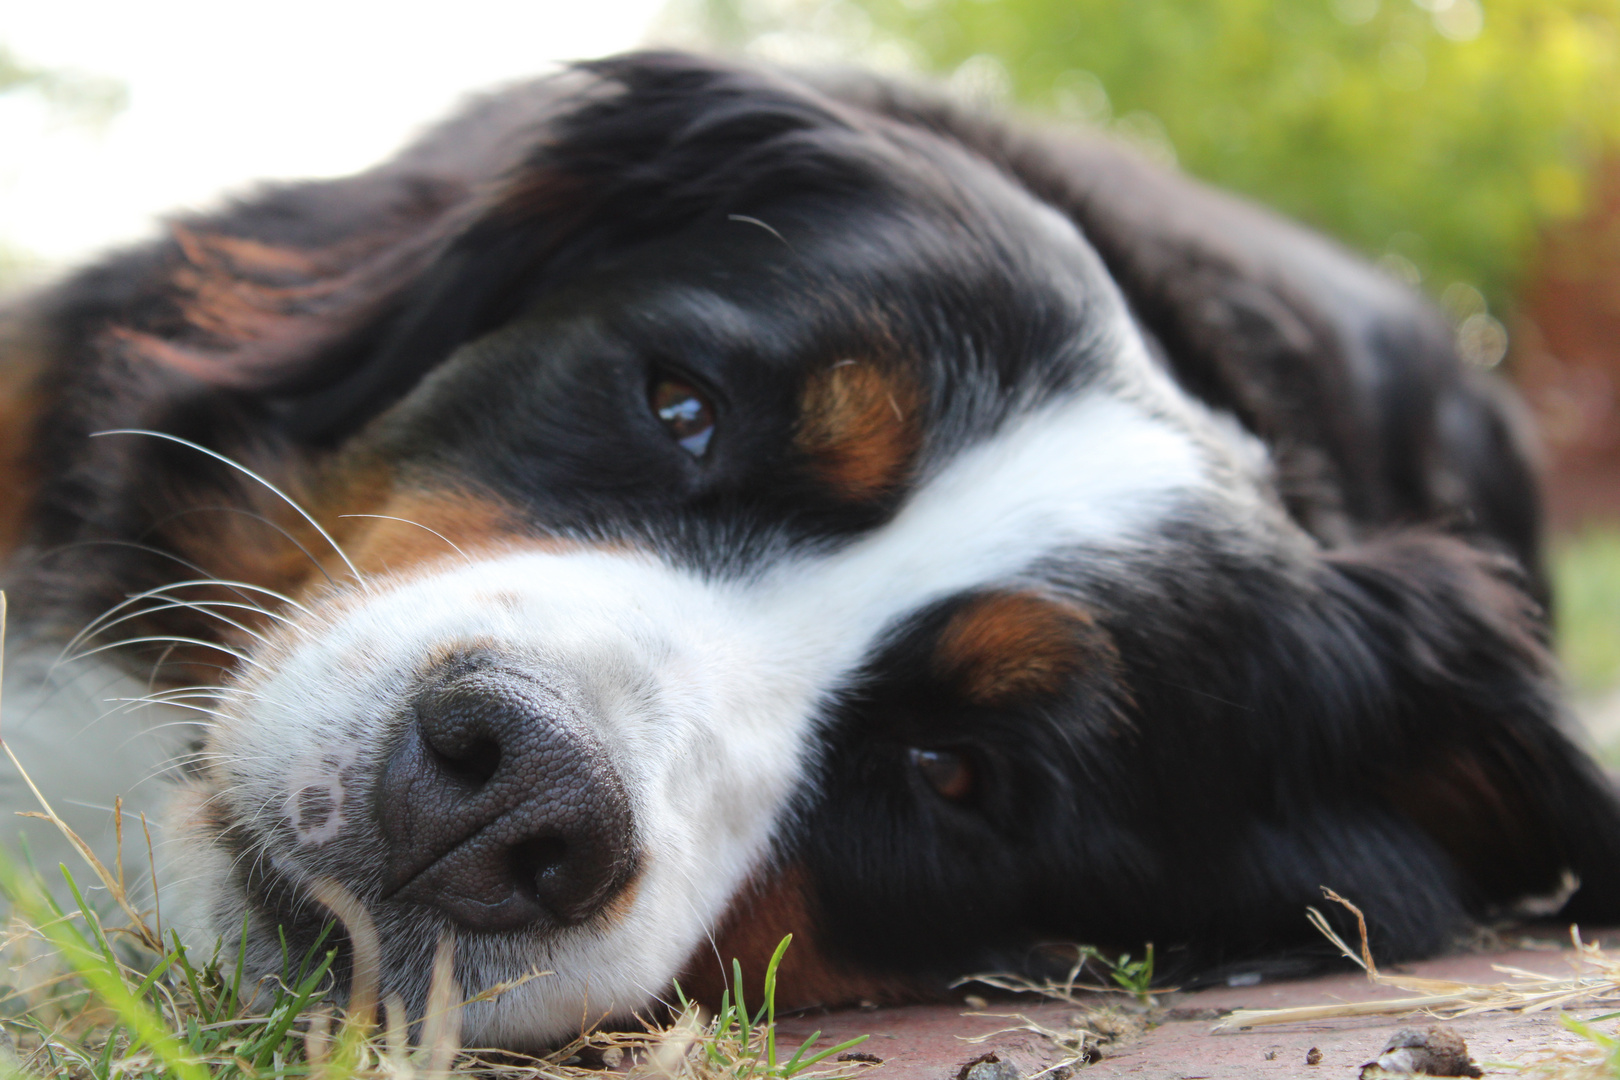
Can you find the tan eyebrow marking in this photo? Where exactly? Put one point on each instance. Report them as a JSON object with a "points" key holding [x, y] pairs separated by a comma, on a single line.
{"points": [[20, 404], [1007, 646], [860, 427]]}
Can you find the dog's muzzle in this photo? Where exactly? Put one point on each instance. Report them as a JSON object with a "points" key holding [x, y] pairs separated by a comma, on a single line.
{"points": [[499, 807]]}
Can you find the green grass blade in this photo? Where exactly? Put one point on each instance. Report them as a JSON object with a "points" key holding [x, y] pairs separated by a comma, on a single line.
{"points": [[103, 1068], [230, 1001], [744, 1028], [723, 1021], [830, 1051], [286, 957], [189, 972], [278, 1032], [769, 1008], [89, 916], [791, 1065], [313, 951], [153, 975], [89, 963]]}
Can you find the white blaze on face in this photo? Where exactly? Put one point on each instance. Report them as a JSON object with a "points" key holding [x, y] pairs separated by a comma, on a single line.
{"points": [[706, 692]]}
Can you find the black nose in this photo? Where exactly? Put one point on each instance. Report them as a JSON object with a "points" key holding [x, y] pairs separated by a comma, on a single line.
{"points": [[500, 806]]}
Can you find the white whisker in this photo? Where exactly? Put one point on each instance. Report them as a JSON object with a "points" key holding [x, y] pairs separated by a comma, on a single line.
{"points": [[283, 496], [226, 649], [92, 626], [173, 705], [200, 606], [419, 525]]}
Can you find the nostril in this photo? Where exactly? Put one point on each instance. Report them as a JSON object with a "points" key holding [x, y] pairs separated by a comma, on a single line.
{"points": [[473, 763], [501, 808], [534, 863]]}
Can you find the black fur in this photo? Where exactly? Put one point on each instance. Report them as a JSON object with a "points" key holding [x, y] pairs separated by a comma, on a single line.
{"points": [[1381, 717]]}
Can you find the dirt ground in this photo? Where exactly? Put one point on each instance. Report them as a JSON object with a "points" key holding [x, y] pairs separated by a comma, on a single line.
{"points": [[1180, 1038]]}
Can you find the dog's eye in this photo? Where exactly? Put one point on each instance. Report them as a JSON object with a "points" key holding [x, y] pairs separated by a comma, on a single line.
{"points": [[685, 412], [947, 772]]}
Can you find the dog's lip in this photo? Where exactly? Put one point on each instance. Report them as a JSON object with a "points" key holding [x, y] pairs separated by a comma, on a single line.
{"points": [[524, 912], [512, 912], [403, 884]]}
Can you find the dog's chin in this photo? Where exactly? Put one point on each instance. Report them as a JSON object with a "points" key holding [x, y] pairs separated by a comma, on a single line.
{"points": [[525, 990]]}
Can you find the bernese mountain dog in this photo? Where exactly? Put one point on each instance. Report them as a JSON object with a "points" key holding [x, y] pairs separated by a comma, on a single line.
{"points": [[673, 505]]}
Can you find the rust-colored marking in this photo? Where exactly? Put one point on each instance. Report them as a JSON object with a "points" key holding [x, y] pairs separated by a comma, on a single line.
{"points": [[391, 531], [20, 403], [1470, 802], [237, 292], [258, 539], [775, 906], [1008, 646], [418, 527], [623, 902], [256, 312], [858, 425], [545, 195]]}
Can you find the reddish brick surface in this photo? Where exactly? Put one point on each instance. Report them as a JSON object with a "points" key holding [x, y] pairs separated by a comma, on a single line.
{"points": [[934, 1042]]}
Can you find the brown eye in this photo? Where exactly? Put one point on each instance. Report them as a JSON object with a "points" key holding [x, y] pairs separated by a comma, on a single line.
{"points": [[946, 771], [686, 413]]}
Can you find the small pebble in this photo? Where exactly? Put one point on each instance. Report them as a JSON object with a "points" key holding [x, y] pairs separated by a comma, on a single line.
{"points": [[612, 1056], [1313, 1056], [1431, 1051], [974, 1001], [995, 1070], [989, 1067]]}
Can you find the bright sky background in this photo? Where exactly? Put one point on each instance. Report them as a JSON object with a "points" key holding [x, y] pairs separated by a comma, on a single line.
{"points": [[223, 92]]}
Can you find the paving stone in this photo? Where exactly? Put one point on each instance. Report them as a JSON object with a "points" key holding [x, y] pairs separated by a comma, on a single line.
{"points": [[1029, 1037]]}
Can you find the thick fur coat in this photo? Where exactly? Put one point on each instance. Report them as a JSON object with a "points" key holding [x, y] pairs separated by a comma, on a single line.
{"points": [[672, 505]]}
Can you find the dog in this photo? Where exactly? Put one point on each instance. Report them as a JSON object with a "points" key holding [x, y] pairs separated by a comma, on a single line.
{"points": [[674, 505]]}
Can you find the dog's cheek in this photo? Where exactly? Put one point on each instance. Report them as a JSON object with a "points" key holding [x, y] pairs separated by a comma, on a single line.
{"points": [[416, 529], [195, 884], [779, 902]]}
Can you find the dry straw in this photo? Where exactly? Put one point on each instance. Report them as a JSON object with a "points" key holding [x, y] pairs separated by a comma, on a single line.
{"points": [[1595, 980]]}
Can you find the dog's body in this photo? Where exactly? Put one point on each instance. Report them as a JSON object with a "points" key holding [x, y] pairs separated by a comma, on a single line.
{"points": [[795, 508]]}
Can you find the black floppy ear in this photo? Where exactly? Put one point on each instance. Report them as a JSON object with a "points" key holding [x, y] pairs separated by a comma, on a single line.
{"points": [[1471, 750], [297, 289], [1349, 376]]}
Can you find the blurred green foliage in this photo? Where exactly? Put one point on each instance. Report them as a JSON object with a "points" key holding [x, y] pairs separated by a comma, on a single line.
{"points": [[1586, 580], [84, 98], [1440, 134]]}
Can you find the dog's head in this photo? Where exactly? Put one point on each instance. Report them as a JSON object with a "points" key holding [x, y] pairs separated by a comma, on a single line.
{"points": [[724, 509]]}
